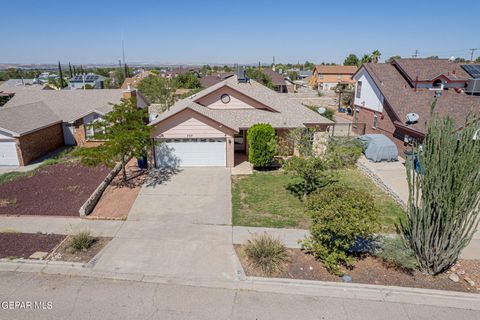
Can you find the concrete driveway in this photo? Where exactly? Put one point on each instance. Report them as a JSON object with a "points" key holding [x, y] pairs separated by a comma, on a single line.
{"points": [[179, 228]]}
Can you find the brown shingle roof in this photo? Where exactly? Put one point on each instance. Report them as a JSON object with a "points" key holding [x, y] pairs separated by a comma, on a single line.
{"points": [[429, 69], [323, 69], [212, 79], [403, 98], [277, 78]]}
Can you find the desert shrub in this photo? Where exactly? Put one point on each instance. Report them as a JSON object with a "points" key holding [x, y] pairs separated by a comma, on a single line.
{"points": [[266, 253], [343, 152], [394, 252], [81, 241], [261, 144], [339, 216]]}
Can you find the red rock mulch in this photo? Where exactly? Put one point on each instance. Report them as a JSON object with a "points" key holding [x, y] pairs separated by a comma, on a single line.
{"points": [[23, 245], [55, 190], [367, 270], [118, 198]]}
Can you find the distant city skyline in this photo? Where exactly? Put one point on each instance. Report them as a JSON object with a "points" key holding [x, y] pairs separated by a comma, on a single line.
{"points": [[220, 32]]}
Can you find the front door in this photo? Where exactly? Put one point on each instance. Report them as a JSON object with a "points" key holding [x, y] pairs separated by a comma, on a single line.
{"points": [[239, 140]]}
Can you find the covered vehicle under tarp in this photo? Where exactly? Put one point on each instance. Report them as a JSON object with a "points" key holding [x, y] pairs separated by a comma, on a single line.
{"points": [[378, 147]]}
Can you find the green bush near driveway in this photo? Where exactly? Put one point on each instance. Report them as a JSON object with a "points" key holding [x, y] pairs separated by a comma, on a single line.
{"points": [[339, 216]]}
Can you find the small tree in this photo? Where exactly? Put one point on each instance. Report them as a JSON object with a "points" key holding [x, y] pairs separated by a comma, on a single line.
{"points": [[261, 145], [351, 60], [158, 90], [443, 206], [188, 80], [125, 134], [339, 216], [311, 169]]}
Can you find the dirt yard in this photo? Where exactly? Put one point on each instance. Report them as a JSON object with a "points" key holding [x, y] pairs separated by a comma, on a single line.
{"points": [[65, 253], [55, 190], [23, 245], [118, 198], [367, 270]]}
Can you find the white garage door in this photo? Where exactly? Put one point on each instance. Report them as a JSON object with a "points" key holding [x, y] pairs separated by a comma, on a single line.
{"points": [[8, 153], [191, 153]]}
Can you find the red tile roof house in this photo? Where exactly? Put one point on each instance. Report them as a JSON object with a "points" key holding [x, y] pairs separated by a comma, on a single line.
{"points": [[209, 128], [35, 122], [386, 93]]}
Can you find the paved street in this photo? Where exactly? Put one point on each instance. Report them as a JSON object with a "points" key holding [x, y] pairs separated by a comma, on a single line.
{"points": [[88, 298], [179, 228]]}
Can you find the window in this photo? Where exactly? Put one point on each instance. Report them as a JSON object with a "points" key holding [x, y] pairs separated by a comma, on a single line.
{"points": [[320, 76], [355, 117], [359, 89], [375, 121], [339, 77]]}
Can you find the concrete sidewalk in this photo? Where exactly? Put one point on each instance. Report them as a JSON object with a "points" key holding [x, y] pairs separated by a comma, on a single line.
{"points": [[59, 225], [289, 237]]}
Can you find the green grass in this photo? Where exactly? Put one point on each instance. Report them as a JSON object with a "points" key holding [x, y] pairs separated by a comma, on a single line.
{"points": [[63, 156], [261, 200]]}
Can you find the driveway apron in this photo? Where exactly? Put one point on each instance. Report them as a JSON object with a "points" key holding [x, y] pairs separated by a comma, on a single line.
{"points": [[178, 228]]}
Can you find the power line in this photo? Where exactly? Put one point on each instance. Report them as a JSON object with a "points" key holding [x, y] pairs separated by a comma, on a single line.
{"points": [[415, 54]]}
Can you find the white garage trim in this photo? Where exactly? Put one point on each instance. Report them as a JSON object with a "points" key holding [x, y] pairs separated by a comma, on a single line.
{"points": [[8, 153], [198, 152]]}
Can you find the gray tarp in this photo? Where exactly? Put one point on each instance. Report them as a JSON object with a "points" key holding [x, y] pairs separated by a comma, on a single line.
{"points": [[378, 147]]}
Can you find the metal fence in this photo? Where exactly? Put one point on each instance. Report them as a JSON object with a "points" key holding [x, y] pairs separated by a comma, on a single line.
{"points": [[346, 129]]}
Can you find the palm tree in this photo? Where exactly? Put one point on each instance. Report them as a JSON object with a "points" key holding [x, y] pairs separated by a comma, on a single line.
{"points": [[376, 56], [366, 58]]}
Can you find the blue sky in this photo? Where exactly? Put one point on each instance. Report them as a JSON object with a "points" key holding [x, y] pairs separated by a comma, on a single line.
{"points": [[241, 31]]}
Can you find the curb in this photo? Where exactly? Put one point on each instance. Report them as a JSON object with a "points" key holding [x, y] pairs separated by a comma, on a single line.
{"points": [[391, 294]]}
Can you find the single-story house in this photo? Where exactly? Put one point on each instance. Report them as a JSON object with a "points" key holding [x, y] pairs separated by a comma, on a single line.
{"points": [[278, 80], [36, 122], [328, 77], [395, 98], [209, 128]]}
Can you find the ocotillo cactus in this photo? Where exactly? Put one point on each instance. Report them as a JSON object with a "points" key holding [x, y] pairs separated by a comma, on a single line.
{"points": [[444, 196]]}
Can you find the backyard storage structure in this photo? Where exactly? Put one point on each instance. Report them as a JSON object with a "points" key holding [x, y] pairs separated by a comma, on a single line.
{"points": [[378, 147]]}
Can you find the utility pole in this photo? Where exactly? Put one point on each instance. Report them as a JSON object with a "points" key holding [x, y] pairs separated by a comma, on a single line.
{"points": [[415, 55], [472, 51]]}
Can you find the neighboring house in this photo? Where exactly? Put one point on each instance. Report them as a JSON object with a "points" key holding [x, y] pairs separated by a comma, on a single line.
{"points": [[133, 81], [395, 99], [303, 74], [473, 85], [209, 128], [278, 80], [35, 122], [328, 77], [214, 78], [79, 81]]}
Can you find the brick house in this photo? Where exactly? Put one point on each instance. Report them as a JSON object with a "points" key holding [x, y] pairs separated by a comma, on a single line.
{"points": [[35, 122], [386, 93]]}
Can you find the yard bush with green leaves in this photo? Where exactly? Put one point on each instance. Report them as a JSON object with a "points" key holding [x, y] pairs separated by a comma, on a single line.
{"points": [[343, 152], [262, 145], [339, 216], [266, 253]]}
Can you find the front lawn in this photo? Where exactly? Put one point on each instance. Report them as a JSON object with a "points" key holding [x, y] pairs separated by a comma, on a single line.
{"points": [[261, 200]]}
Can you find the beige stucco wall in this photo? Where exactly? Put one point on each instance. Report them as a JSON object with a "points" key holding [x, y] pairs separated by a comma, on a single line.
{"points": [[190, 124], [238, 100]]}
